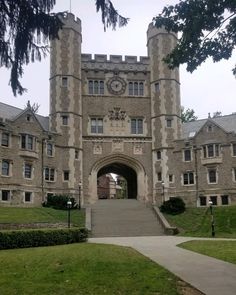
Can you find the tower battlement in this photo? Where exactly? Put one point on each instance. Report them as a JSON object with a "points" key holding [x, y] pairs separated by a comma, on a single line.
{"points": [[128, 59], [153, 31], [70, 21]]}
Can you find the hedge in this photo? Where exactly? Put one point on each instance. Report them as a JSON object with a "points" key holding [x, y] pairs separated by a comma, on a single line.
{"points": [[44, 237]]}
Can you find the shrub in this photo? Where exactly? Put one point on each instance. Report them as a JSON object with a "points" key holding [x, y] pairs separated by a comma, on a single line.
{"points": [[59, 202], [38, 238], [173, 206]]}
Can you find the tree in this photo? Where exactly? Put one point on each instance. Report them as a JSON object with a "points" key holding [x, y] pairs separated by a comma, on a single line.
{"points": [[217, 114], [26, 26], [188, 115], [110, 16], [207, 27]]}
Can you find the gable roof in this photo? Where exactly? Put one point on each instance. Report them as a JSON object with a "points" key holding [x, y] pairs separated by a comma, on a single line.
{"points": [[228, 123], [11, 113]]}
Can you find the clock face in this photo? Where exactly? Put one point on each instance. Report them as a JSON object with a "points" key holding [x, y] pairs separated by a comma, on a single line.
{"points": [[116, 85]]}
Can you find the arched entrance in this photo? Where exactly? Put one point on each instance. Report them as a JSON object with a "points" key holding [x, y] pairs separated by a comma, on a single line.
{"points": [[125, 166], [125, 171]]}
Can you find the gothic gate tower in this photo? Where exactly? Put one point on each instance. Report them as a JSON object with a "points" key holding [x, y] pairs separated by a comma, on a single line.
{"points": [[165, 110], [66, 103]]}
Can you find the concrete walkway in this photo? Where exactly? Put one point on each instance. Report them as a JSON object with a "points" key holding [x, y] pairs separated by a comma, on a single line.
{"points": [[209, 275]]}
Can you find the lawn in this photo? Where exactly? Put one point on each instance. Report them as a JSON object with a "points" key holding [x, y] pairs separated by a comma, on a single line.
{"points": [[196, 222], [224, 250], [38, 215], [82, 269]]}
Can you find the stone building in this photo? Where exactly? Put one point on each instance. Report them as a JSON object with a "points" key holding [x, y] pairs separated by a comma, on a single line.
{"points": [[114, 115]]}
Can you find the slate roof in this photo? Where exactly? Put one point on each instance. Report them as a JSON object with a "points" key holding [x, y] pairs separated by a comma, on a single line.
{"points": [[228, 123], [10, 113]]}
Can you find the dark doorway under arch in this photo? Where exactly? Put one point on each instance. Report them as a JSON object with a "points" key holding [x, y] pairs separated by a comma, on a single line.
{"points": [[128, 173]]}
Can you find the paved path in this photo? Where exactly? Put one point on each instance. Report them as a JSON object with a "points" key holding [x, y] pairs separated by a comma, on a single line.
{"points": [[123, 218], [209, 275]]}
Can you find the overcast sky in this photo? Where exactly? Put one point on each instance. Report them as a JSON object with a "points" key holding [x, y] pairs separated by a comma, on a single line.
{"points": [[210, 88]]}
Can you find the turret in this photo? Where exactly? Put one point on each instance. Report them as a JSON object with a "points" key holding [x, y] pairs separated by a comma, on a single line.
{"points": [[66, 98], [165, 104]]}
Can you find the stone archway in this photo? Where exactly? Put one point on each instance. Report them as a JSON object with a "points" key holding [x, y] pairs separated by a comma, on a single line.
{"points": [[127, 172], [123, 165]]}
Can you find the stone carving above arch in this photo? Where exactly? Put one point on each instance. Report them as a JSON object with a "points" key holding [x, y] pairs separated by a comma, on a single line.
{"points": [[97, 148], [138, 148], [117, 145], [117, 114]]}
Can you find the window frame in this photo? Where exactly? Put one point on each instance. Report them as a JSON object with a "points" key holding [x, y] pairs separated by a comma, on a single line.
{"points": [[29, 171], [65, 120], [187, 157], [8, 167], [30, 196], [67, 178], [27, 142], [50, 152], [211, 150], [96, 128], [64, 81], [223, 199], [9, 195], [5, 139], [190, 178], [209, 176], [233, 149], [136, 88], [49, 174], [201, 198], [135, 127], [96, 87]]}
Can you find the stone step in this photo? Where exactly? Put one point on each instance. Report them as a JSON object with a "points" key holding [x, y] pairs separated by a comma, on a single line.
{"points": [[123, 218]]}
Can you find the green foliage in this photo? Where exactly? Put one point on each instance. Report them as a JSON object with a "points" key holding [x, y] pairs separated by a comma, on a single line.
{"points": [[188, 115], [110, 16], [207, 27], [83, 269], [16, 215], [38, 238], [173, 206], [26, 25], [196, 222], [60, 202], [224, 250]]}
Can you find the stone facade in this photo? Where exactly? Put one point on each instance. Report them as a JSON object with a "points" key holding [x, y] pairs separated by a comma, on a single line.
{"points": [[115, 115]]}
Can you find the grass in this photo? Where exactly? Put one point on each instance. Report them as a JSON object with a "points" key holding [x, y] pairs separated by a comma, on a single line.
{"points": [[224, 250], [196, 222], [82, 269], [35, 215]]}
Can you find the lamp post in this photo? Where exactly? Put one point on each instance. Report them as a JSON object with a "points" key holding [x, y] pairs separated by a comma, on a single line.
{"points": [[80, 184], [163, 191], [69, 204], [212, 219]]}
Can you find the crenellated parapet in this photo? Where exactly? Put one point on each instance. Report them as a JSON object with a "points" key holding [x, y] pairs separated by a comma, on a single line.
{"points": [[104, 62], [72, 22]]}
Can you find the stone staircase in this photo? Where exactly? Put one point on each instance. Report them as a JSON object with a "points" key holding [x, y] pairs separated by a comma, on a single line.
{"points": [[123, 218]]}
